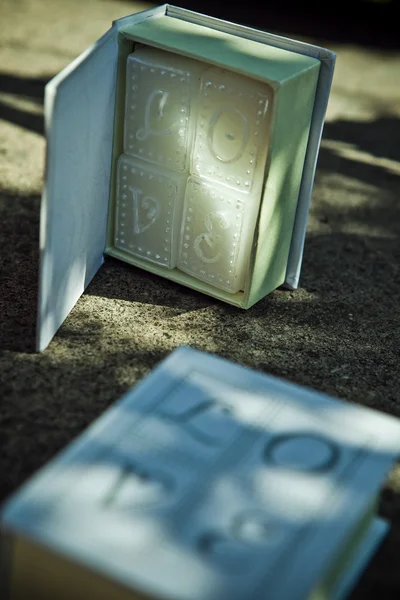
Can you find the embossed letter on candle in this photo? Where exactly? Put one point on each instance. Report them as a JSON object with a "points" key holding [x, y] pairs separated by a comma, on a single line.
{"points": [[148, 211], [214, 238], [231, 130], [158, 124]]}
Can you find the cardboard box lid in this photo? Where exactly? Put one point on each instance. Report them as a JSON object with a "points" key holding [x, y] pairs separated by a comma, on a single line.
{"points": [[79, 124], [79, 130], [79, 103]]}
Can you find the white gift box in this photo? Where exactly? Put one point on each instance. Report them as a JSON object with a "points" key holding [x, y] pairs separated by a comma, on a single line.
{"points": [[82, 217], [207, 480]]}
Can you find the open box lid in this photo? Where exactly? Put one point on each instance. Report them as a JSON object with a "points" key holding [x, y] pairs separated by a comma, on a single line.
{"points": [[79, 109]]}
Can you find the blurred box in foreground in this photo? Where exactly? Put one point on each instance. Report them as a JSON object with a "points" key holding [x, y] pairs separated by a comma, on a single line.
{"points": [[206, 481]]}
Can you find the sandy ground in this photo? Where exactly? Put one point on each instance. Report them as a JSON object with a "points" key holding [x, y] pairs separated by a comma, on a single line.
{"points": [[339, 332]]}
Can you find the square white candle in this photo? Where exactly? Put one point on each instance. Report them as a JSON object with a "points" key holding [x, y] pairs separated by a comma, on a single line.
{"points": [[148, 211], [217, 228], [160, 89], [231, 130]]}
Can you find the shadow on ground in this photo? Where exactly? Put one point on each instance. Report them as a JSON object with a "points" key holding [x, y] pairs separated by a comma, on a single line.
{"points": [[19, 263], [24, 88]]}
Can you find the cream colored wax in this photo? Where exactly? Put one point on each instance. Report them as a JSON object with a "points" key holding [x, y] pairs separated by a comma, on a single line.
{"points": [[190, 180]]}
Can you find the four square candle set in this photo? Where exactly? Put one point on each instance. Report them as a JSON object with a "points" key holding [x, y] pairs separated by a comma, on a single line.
{"points": [[191, 175]]}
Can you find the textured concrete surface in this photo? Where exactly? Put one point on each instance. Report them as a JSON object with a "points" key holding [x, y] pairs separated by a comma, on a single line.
{"points": [[339, 333]]}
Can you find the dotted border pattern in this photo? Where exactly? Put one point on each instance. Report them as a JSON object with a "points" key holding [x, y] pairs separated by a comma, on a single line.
{"points": [[201, 167], [192, 267], [122, 239], [183, 132]]}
